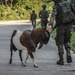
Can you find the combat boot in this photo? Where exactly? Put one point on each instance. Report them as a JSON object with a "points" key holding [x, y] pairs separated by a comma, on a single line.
{"points": [[69, 58], [60, 61]]}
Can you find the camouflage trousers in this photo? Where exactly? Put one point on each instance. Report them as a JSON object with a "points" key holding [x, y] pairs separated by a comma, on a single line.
{"points": [[63, 36], [34, 23], [44, 23]]}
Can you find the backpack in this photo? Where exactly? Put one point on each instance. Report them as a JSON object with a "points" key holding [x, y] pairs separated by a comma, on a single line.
{"points": [[33, 16], [44, 14], [66, 14]]}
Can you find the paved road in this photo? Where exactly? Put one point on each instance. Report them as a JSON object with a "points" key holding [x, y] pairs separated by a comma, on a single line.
{"points": [[46, 57]]}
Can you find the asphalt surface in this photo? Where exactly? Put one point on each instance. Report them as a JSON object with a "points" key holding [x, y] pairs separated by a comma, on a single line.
{"points": [[45, 58]]}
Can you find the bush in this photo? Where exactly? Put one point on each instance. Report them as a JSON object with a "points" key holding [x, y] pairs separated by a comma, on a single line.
{"points": [[73, 41], [18, 11]]}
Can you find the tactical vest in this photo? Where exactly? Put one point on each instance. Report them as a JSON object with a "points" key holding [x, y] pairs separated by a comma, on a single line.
{"points": [[44, 14], [33, 16], [65, 14]]}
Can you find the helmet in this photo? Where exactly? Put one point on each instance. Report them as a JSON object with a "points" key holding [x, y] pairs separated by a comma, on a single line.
{"points": [[33, 10], [57, 1], [44, 6]]}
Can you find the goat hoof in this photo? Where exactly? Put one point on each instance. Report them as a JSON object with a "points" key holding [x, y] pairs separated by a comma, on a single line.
{"points": [[35, 66], [10, 62], [24, 65]]}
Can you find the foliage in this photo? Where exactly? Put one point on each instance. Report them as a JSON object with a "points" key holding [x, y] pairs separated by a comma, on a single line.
{"points": [[16, 9], [73, 41]]}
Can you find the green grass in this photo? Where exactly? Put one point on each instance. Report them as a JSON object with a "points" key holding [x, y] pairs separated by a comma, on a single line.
{"points": [[38, 25], [73, 41]]}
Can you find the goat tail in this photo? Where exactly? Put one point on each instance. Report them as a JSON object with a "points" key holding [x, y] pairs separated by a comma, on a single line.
{"points": [[14, 33], [11, 40]]}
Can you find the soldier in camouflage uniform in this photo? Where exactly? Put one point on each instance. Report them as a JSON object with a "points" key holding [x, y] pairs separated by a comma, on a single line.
{"points": [[63, 35], [33, 17], [43, 14]]}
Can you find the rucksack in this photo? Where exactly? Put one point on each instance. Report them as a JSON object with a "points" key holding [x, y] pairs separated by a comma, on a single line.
{"points": [[66, 15], [33, 16], [44, 14]]}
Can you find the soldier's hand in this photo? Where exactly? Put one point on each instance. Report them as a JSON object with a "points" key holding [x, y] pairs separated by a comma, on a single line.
{"points": [[49, 28]]}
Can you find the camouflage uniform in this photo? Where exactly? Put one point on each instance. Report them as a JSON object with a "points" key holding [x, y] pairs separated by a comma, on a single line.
{"points": [[33, 17], [44, 17], [73, 5], [63, 36]]}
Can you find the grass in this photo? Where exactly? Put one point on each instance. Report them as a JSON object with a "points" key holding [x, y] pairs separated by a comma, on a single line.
{"points": [[38, 25], [73, 41]]}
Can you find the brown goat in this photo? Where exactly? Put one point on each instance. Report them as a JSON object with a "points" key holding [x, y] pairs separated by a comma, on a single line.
{"points": [[28, 40]]}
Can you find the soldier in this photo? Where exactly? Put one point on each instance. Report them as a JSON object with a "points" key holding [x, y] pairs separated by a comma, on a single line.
{"points": [[43, 14], [33, 17], [63, 28]]}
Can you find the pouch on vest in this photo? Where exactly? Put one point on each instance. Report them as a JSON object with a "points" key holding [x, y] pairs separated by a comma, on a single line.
{"points": [[66, 15], [44, 14]]}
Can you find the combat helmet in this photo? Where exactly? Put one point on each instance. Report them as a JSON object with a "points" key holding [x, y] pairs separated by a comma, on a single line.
{"points": [[44, 6], [57, 1], [33, 11]]}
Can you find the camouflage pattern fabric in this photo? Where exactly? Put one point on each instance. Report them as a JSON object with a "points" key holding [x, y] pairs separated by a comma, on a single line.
{"points": [[63, 36], [43, 14], [33, 17], [55, 14], [63, 30]]}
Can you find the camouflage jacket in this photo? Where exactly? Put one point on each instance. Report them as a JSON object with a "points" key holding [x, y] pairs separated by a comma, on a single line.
{"points": [[54, 14], [33, 17], [43, 14]]}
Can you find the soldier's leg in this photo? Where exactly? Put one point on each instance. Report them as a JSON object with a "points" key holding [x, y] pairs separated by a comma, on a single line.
{"points": [[67, 45], [59, 42], [60, 53], [33, 24], [42, 24], [45, 24], [68, 54]]}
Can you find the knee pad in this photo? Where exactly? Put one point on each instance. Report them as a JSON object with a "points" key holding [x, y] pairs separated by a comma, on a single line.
{"points": [[67, 45], [60, 49]]}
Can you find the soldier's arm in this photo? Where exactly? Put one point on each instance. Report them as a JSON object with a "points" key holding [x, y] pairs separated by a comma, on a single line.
{"points": [[47, 15], [53, 15], [40, 14], [36, 15], [52, 18], [73, 7]]}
